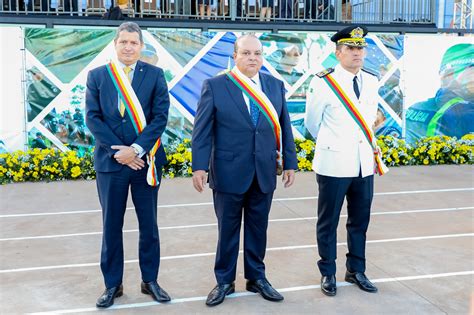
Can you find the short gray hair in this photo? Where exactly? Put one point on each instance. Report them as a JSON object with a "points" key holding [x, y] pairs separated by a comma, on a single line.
{"points": [[130, 27]]}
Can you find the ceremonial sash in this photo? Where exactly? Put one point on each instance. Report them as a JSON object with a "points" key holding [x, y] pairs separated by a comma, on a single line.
{"points": [[249, 88], [135, 112], [381, 169]]}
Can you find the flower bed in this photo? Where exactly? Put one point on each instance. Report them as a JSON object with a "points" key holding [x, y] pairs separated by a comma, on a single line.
{"points": [[53, 165]]}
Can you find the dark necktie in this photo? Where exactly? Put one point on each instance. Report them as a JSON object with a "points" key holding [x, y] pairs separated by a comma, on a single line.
{"points": [[254, 111], [356, 87]]}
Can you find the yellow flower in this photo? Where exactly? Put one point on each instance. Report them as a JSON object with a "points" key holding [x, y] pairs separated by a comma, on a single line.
{"points": [[75, 171]]}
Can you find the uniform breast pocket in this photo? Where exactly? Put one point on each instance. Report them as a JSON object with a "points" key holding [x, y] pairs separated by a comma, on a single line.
{"points": [[335, 147]]}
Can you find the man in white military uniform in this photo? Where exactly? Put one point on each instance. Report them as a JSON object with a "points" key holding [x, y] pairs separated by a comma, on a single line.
{"points": [[344, 158]]}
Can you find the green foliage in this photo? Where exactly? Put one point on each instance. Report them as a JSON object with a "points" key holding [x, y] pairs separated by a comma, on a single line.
{"points": [[53, 165], [179, 159]]}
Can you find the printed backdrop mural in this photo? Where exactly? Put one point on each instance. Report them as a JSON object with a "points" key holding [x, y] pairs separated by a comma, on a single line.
{"points": [[57, 62]]}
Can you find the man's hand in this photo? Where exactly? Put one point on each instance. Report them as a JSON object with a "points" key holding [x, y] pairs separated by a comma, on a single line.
{"points": [[136, 164], [199, 180], [288, 178], [377, 150], [125, 154]]}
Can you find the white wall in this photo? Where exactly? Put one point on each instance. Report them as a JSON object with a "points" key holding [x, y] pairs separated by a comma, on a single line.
{"points": [[12, 109]]}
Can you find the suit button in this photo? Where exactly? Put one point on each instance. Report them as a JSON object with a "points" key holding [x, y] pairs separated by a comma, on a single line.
{"points": [[360, 141], [256, 132], [124, 120]]}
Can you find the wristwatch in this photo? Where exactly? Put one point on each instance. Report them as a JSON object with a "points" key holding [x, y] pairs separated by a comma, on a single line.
{"points": [[136, 151]]}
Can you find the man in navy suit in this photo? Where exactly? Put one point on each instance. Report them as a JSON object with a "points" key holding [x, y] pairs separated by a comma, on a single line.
{"points": [[119, 161], [235, 142]]}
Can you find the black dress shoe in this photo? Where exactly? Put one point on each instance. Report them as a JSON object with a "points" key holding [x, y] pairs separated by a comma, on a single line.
{"points": [[107, 298], [264, 287], [217, 295], [157, 293], [328, 285], [361, 280]]}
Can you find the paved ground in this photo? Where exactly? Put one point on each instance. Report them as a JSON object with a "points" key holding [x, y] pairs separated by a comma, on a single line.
{"points": [[420, 250]]}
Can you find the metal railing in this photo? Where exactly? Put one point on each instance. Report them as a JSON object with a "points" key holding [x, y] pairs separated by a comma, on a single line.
{"points": [[358, 11]]}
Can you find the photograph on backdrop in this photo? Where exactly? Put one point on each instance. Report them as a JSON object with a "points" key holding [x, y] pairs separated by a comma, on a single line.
{"points": [[57, 57], [66, 52], [287, 54], [40, 92], [183, 45], [36, 140], [444, 103]]}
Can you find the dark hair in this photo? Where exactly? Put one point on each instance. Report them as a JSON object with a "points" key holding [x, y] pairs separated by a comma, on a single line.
{"points": [[130, 27]]}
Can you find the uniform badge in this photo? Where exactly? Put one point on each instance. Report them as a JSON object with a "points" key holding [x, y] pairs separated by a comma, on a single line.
{"points": [[357, 33], [325, 72]]}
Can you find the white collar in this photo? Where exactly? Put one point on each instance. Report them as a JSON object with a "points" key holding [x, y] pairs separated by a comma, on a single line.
{"points": [[348, 75], [132, 66]]}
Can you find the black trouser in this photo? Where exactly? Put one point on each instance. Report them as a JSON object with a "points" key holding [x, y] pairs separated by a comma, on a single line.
{"points": [[311, 9], [359, 193]]}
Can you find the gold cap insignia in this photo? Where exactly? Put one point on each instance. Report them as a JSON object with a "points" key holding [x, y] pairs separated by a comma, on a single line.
{"points": [[357, 33]]}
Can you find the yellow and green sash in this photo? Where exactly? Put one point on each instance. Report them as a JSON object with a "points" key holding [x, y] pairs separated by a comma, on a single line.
{"points": [[381, 169], [249, 88], [135, 112]]}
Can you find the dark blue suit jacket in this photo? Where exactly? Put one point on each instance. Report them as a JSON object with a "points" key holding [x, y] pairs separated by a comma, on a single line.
{"points": [[110, 128], [226, 142]]}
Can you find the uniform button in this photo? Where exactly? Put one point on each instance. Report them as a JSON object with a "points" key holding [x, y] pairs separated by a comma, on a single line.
{"points": [[360, 141], [256, 132]]}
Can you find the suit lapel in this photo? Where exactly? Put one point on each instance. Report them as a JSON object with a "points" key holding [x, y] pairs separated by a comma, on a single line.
{"points": [[267, 90], [138, 76], [238, 99], [114, 101], [270, 93], [265, 87]]}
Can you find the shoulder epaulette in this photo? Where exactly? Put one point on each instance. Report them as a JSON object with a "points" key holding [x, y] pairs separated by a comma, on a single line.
{"points": [[325, 72], [367, 71]]}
